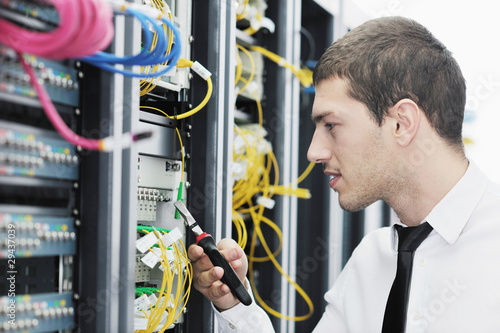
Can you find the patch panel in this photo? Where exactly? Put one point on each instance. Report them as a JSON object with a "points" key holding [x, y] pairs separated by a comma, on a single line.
{"points": [[146, 202], [25, 151], [41, 11], [37, 196], [142, 271], [38, 235], [59, 78], [37, 313]]}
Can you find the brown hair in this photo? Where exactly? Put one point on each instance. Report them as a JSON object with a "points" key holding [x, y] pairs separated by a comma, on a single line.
{"points": [[387, 59]]}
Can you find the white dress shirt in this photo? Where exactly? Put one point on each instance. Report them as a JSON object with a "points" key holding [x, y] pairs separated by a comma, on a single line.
{"points": [[455, 285]]}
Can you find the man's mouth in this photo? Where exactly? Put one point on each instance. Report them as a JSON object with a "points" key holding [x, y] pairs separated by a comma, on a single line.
{"points": [[334, 178]]}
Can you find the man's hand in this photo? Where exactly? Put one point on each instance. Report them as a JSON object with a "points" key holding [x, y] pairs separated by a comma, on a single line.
{"points": [[206, 277]]}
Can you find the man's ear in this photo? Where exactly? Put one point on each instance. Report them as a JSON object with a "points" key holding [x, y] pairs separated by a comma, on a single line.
{"points": [[405, 116]]}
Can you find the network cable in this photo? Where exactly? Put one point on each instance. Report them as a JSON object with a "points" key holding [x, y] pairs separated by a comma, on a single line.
{"points": [[205, 74], [171, 300], [147, 85], [106, 144], [86, 28], [253, 192], [146, 57], [252, 69], [304, 74]]}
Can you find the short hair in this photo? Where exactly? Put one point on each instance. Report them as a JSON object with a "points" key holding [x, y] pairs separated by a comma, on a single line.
{"points": [[387, 59]]}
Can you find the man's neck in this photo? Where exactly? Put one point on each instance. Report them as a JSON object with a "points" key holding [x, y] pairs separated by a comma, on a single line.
{"points": [[427, 186]]}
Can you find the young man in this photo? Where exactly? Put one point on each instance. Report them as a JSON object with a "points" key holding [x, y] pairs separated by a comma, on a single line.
{"points": [[388, 110]]}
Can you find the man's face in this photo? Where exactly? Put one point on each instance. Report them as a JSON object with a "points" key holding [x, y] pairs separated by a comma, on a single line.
{"points": [[351, 146]]}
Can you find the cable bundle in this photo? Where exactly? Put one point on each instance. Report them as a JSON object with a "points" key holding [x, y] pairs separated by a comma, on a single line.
{"points": [[85, 27], [253, 163], [147, 85], [176, 277], [158, 50], [304, 74]]}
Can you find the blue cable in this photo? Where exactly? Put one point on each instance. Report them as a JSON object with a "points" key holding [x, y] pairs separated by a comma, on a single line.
{"points": [[144, 58], [127, 60]]}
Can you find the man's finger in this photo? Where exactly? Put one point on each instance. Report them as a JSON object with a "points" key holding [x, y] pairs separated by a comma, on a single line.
{"points": [[208, 278], [195, 252]]}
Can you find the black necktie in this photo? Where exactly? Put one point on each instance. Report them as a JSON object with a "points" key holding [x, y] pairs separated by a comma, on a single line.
{"points": [[397, 303]]}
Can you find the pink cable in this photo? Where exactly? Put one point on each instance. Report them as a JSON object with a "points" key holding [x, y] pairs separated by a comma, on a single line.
{"points": [[85, 27], [52, 113]]}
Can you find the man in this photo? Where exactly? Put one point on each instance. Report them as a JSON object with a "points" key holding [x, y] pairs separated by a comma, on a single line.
{"points": [[388, 110]]}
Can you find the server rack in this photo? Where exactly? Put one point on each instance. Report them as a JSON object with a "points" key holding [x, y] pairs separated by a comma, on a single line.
{"points": [[106, 196]]}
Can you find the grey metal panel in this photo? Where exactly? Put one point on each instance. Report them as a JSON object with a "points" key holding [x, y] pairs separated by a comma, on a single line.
{"points": [[211, 194], [115, 188], [127, 230], [100, 253], [162, 143], [292, 122], [286, 147], [220, 121]]}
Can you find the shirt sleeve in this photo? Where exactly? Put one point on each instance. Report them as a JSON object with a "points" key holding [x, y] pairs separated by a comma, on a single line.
{"points": [[333, 319], [244, 319]]}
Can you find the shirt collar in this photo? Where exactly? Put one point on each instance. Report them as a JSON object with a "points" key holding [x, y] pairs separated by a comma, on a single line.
{"points": [[450, 215]]}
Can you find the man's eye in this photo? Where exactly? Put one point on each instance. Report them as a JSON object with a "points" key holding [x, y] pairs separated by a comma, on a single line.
{"points": [[329, 126]]}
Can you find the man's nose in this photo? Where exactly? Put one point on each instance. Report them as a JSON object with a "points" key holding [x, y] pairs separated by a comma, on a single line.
{"points": [[319, 151]]}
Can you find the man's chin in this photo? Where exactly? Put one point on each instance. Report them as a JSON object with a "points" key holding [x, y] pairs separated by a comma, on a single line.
{"points": [[352, 206]]}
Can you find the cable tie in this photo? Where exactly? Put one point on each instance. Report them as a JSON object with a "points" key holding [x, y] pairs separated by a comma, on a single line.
{"points": [[140, 323], [144, 243], [153, 299], [142, 303], [151, 259], [171, 237], [266, 202]]}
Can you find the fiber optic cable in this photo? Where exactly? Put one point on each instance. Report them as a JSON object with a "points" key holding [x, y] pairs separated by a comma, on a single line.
{"points": [[106, 144], [169, 301], [244, 11], [256, 182], [85, 27], [179, 193], [238, 68], [147, 85], [252, 71], [145, 57], [302, 293], [182, 64], [303, 74]]}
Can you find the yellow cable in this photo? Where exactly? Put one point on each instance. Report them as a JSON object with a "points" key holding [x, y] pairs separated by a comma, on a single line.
{"points": [[244, 12], [191, 112], [303, 74], [256, 181], [238, 68], [302, 293], [182, 153], [252, 71], [147, 85], [250, 30], [303, 176]]}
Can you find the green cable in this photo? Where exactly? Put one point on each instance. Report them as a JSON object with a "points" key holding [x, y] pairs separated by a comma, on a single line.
{"points": [[142, 228], [146, 290], [179, 198]]}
